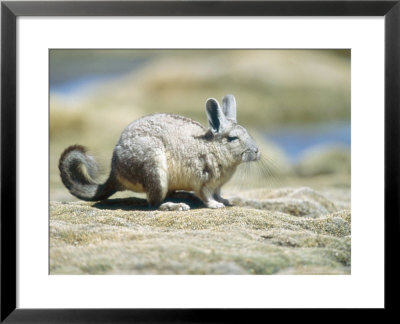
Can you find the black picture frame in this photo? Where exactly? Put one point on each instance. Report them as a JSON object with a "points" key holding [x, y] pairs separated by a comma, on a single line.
{"points": [[11, 10]]}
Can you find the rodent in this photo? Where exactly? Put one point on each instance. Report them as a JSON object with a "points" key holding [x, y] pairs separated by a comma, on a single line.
{"points": [[160, 153]]}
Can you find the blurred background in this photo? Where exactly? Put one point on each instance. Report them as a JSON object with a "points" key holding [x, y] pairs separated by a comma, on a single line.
{"points": [[295, 103]]}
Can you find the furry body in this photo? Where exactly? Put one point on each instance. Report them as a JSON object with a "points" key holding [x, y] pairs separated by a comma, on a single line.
{"points": [[160, 153]]}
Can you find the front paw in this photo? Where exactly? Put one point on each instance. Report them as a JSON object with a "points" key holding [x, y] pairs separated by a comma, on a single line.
{"points": [[215, 204], [224, 201]]}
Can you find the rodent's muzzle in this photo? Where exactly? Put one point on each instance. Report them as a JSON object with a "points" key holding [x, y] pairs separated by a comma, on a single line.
{"points": [[250, 155]]}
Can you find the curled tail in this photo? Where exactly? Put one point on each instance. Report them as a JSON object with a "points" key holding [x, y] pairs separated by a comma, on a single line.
{"points": [[77, 171]]}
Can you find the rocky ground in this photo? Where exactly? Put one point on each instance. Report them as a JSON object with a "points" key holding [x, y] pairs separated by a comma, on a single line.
{"points": [[266, 231]]}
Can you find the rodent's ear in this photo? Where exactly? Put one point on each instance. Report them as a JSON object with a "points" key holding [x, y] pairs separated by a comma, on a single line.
{"points": [[216, 118], [229, 107]]}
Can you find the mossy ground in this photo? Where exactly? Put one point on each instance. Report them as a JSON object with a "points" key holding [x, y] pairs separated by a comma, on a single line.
{"points": [[115, 237]]}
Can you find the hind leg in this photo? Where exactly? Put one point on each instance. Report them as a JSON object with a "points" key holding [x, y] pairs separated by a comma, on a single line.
{"points": [[174, 206], [156, 185], [156, 180]]}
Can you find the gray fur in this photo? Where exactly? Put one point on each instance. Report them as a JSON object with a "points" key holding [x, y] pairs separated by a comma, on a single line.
{"points": [[229, 107], [161, 153], [215, 115], [77, 170]]}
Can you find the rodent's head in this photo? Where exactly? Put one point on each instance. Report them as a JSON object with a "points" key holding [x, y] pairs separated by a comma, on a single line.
{"points": [[225, 130]]}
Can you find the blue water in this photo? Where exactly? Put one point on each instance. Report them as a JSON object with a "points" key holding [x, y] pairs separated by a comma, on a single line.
{"points": [[297, 139], [76, 86], [72, 78]]}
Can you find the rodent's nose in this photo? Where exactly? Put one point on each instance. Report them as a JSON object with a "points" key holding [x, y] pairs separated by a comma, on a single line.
{"points": [[257, 153]]}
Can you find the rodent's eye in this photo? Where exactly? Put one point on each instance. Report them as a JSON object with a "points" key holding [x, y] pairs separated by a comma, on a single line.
{"points": [[232, 138]]}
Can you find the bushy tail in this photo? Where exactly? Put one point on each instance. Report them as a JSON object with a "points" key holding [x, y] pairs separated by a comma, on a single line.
{"points": [[77, 171]]}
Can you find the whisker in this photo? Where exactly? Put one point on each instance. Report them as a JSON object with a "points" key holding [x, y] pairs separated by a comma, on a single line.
{"points": [[263, 173], [269, 169]]}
